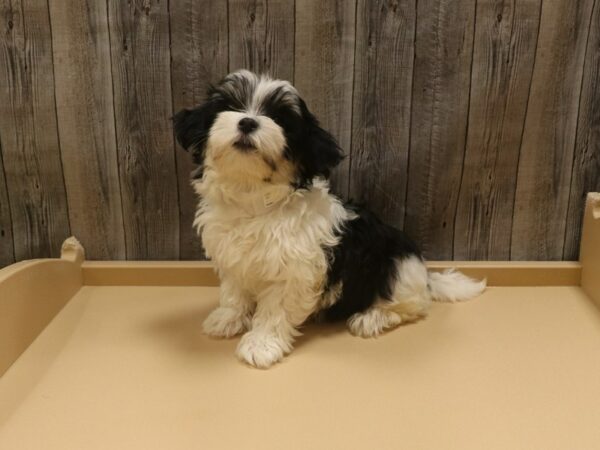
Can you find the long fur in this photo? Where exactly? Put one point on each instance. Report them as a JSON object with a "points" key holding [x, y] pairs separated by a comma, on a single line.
{"points": [[287, 249]]}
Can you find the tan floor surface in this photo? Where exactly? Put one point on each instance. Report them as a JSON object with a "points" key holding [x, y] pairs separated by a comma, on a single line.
{"points": [[128, 368]]}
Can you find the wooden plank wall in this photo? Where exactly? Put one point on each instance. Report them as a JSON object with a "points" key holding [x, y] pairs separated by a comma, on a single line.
{"points": [[586, 161], [31, 153], [504, 42], [440, 111], [547, 148], [86, 124], [472, 124]]}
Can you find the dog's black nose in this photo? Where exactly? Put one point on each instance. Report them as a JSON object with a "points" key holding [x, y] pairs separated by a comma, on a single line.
{"points": [[247, 125]]}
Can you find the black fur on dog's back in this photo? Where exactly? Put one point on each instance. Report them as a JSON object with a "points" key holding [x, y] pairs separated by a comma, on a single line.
{"points": [[365, 262]]}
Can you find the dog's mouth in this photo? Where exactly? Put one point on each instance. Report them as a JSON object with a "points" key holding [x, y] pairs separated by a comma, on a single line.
{"points": [[244, 143]]}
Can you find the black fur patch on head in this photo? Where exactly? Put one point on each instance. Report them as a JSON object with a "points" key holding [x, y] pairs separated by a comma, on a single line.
{"points": [[192, 127], [237, 89], [364, 262], [314, 150]]}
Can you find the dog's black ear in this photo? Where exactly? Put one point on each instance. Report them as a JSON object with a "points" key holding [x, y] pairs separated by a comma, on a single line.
{"points": [[321, 151], [192, 127]]}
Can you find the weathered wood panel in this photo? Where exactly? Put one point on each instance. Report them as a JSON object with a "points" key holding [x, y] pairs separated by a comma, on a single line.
{"points": [[546, 159], [28, 130], [503, 55], [442, 73], [383, 70], [586, 167], [7, 251], [261, 36], [139, 35], [475, 124], [86, 122], [324, 68], [199, 57]]}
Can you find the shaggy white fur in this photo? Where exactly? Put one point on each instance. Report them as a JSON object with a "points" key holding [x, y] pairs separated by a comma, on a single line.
{"points": [[413, 293], [268, 253], [266, 239]]}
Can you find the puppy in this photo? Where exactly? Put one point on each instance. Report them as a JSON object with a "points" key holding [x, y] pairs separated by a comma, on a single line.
{"points": [[284, 246]]}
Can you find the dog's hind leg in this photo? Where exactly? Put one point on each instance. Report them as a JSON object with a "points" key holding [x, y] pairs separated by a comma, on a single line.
{"points": [[385, 315], [373, 321], [409, 302]]}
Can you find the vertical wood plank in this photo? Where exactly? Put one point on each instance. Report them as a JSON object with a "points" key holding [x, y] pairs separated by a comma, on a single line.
{"points": [[28, 130], [7, 253], [261, 37], [139, 35], [324, 70], [442, 72], [383, 70], [586, 168], [503, 55], [199, 45], [544, 175], [84, 101]]}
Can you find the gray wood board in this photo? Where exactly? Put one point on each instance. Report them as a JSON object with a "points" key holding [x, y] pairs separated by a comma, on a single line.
{"points": [[546, 159], [586, 165], [28, 131], [261, 37], [383, 70], [440, 110], [503, 55], [139, 35], [86, 122], [7, 251]]}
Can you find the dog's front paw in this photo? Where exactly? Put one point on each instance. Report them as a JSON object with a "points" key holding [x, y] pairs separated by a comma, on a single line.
{"points": [[260, 349], [224, 322]]}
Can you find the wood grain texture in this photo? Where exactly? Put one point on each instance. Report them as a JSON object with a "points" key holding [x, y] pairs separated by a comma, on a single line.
{"points": [[7, 251], [383, 70], [199, 57], [503, 55], [442, 72], [586, 167], [261, 36], [28, 130], [544, 176], [324, 68], [139, 35], [86, 123], [472, 124]]}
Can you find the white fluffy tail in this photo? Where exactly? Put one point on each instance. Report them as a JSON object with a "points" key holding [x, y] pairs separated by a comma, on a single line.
{"points": [[453, 286]]}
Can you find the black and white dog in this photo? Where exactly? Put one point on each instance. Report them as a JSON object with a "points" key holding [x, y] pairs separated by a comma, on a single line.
{"points": [[284, 247]]}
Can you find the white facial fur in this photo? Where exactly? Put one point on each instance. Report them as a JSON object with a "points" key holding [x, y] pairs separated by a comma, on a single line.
{"points": [[265, 162]]}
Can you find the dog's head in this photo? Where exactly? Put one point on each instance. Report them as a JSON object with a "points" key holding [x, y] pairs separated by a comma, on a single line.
{"points": [[255, 129]]}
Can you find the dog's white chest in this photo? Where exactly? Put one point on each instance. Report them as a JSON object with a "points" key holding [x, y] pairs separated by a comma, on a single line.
{"points": [[279, 245], [264, 248]]}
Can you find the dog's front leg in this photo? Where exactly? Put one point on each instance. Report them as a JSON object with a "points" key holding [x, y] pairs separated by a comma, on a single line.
{"points": [[280, 309], [233, 314]]}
